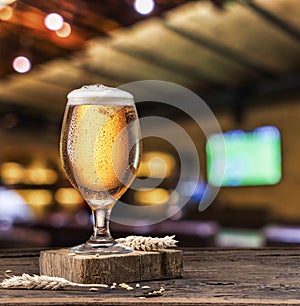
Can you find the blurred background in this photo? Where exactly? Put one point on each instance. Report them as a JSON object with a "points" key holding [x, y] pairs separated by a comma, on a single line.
{"points": [[241, 57]]}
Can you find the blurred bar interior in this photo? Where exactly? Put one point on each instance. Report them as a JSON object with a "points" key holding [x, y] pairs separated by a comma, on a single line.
{"points": [[241, 57]]}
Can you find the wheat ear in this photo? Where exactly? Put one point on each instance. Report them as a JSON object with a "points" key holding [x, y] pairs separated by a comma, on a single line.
{"points": [[42, 282], [141, 243]]}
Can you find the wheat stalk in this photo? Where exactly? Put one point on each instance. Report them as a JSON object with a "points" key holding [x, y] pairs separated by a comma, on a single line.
{"points": [[138, 243], [42, 282], [142, 243]]}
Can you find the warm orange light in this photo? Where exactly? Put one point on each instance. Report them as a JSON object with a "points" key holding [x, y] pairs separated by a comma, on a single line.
{"points": [[42, 176], [37, 198], [65, 30], [7, 2], [156, 165], [53, 21], [6, 13], [151, 196], [39, 174], [12, 173], [21, 64], [68, 196]]}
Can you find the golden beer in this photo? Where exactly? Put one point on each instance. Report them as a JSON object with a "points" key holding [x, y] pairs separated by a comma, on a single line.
{"points": [[100, 140], [100, 149]]}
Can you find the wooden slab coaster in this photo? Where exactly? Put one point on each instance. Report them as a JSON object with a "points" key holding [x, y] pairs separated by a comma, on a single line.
{"points": [[107, 269]]}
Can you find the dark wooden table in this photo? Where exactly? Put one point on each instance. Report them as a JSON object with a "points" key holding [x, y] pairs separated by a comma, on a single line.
{"points": [[211, 277]]}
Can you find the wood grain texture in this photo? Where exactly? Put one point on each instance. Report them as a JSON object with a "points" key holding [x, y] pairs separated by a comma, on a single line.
{"points": [[211, 277], [108, 269]]}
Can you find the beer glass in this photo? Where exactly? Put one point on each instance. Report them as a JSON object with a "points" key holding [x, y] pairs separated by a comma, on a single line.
{"points": [[100, 148]]}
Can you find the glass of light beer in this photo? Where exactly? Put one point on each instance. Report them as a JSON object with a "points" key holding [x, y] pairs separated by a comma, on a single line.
{"points": [[100, 148]]}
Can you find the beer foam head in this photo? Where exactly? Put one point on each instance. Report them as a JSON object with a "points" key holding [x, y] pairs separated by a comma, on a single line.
{"points": [[99, 94]]}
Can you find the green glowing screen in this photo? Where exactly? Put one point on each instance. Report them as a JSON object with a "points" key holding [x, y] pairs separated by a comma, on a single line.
{"points": [[250, 158]]}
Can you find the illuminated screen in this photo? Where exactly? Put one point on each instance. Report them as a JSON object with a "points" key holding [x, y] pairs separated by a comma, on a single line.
{"points": [[251, 158]]}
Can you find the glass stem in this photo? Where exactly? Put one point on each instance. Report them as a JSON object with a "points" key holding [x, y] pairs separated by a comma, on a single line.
{"points": [[101, 234]]}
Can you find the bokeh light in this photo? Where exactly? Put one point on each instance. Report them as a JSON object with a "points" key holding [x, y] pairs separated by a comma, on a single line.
{"points": [[151, 196], [21, 64], [6, 13], [68, 196], [54, 21], [64, 31], [7, 2], [12, 173], [4, 3], [144, 7]]}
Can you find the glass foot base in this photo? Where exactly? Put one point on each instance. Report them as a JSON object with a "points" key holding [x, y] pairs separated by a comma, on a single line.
{"points": [[106, 249]]}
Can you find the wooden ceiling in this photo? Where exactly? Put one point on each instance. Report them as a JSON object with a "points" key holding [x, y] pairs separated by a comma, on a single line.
{"points": [[208, 46], [25, 33]]}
